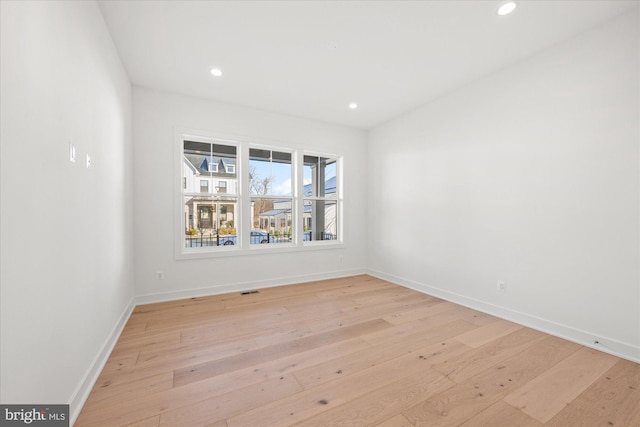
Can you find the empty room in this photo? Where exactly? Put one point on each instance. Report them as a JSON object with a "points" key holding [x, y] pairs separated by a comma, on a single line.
{"points": [[320, 213]]}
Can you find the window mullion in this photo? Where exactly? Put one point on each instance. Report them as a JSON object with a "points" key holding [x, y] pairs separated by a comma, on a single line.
{"points": [[299, 197], [217, 198], [244, 197]]}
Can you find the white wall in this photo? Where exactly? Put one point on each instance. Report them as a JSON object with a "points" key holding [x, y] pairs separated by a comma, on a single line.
{"points": [[530, 176], [67, 276], [156, 116]]}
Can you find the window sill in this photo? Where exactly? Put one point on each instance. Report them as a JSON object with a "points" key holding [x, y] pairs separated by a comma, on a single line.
{"points": [[259, 250]]}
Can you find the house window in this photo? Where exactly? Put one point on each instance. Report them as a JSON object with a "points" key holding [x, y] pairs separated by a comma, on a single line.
{"points": [[211, 217], [283, 198], [322, 206], [270, 184]]}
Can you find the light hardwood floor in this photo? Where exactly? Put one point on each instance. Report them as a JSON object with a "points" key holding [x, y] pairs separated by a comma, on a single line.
{"points": [[357, 351]]}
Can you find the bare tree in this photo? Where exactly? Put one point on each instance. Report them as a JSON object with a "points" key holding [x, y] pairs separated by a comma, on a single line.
{"points": [[259, 187]]}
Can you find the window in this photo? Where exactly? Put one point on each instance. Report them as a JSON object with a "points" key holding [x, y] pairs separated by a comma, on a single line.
{"points": [[209, 218], [272, 204], [240, 197], [321, 201]]}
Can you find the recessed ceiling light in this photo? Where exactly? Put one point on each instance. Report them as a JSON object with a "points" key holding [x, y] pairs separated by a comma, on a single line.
{"points": [[217, 72], [353, 105], [507, 8]]}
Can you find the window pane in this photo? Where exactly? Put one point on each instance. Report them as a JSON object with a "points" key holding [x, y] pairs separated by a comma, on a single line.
{"points": [[272, 220], [209, 222], [320, 220], [269, 173], [211, 197], [204, 164], [208, 176], [317, 170]]}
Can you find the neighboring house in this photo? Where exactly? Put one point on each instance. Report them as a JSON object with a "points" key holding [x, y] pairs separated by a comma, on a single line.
{"points": [[279, 218], [207, 179], [213, 177]]}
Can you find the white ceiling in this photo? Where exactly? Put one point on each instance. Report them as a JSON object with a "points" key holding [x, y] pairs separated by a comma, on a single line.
{"points": [[312, 58]]}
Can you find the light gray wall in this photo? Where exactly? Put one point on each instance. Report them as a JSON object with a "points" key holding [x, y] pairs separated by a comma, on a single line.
{"points": [[157, 116], [67, 276], [529, 176]]}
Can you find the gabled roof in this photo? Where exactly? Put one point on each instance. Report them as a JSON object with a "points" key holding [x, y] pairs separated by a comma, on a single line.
{"points": [[190, 165], [200, 163], [329, 187]]}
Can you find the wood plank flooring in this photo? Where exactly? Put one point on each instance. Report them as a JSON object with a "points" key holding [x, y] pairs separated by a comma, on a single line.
{"points": [[356, 351]]}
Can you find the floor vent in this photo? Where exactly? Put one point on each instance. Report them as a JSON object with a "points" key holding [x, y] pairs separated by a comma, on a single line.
{"points": [[248, 292]]}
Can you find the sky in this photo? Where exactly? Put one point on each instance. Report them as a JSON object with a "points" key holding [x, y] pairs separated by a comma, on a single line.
{"points": [[281, 175]]}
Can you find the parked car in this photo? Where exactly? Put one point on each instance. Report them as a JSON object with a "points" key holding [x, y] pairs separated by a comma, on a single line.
{"points": [[307, 236], [259, 236], [256, 236], [228, 239]]}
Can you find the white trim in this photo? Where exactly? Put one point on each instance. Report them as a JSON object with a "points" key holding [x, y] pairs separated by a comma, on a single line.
{"points": [[298, 198], [272, 248], [243, 145], [243, 286], [338, 199], [83, 390], [616, 348], [181, 135], [585, 338]]}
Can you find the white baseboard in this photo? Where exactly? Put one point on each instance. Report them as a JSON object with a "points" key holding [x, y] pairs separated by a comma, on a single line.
{"points": [[585, 338], [84, 389], [243, 286], [588, 339]]}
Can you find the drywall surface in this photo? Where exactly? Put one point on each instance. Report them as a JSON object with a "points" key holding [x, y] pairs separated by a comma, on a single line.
{"points": [[157, 116], [67, 276], [528, 176]]}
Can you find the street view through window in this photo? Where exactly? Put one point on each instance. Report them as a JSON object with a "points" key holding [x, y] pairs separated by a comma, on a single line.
{"points": [[212, 202]]}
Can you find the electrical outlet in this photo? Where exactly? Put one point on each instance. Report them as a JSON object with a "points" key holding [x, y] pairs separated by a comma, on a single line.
{"points": [[501, 286], [160, 274]]}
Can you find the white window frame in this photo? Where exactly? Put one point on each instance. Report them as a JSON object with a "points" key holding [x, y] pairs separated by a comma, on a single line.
{"points": [[338, 199], [243, 221], [294, 185]]}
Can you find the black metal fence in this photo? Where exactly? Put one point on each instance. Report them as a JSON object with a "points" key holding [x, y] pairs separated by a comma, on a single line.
{"points": [[209, 239], [215, 239], [310, 235]]}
